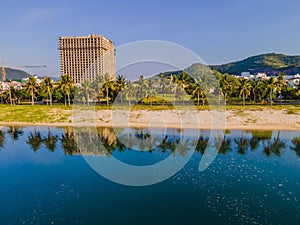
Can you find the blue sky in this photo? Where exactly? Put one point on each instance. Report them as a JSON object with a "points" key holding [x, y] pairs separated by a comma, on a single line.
{"points": [[218, 31]]}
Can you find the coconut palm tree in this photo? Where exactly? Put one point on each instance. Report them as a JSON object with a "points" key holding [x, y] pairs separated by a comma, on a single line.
{"points": [[244, 87], [66, 85], [174, 87], [198, 91], [129, 91], [48, 88], [31, 88], [226, 84], [257, 89], [108, 84], [97, 85], [183, 82], [86, 90], [151, 90], [120, 86], [270, 86], [141, 87], [164, 85], [282, 85]]}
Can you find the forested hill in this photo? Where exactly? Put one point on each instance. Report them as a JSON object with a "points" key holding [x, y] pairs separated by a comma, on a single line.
{"points": [[13, 74], [270, 63]]}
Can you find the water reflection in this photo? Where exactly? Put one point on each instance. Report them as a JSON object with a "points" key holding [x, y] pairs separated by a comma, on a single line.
{"points": [[143, 140]]}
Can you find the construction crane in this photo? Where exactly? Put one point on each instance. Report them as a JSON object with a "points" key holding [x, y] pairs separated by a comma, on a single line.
{"points": [[16, 67]]}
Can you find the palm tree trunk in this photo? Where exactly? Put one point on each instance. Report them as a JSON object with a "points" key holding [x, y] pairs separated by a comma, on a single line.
{"points": [[198, 98], [174, 97], [203, 102], [106, 96], [65, 99], [244, 99], [163, 98], [32, 98], [10, 96], [271, 100], [50, 96], [69, 100]]}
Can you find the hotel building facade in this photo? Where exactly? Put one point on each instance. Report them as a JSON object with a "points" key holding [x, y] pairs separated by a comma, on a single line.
{"points": [[85, 57]]}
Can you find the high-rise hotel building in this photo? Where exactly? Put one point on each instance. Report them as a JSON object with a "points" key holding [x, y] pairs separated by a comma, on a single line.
{"points": [[85, 57]]}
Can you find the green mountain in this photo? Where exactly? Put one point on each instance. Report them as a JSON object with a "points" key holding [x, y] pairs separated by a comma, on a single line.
{"points": [[270, 63], [13, 74]]}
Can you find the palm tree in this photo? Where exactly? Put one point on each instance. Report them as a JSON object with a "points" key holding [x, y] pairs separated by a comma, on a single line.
{"points": [[163, 83], [86, 91], [66, 85], [226, 84], [129, 91], [282, 84], [271, 86], [31, 88], [98, 87], [48, 88], [257, 89], [174, 87], [141, 86], [183, 82], [151, 90], [198, 91], [108, 84], [244, 86], [120, 83]]}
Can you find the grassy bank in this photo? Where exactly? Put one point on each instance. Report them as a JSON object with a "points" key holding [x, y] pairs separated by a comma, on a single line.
{"points": [[63, 114]]}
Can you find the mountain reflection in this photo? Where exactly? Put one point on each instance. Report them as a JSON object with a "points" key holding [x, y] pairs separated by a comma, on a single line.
{"points": [[104, 141]]}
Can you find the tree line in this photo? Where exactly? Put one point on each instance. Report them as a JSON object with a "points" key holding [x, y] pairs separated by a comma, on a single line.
{"points": [[164, 89]]}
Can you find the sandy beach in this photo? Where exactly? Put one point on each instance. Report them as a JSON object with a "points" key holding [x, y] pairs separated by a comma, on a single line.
{"points": [[230, 119]]}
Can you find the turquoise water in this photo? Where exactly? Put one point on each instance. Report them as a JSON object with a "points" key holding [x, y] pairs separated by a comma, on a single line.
{"points": [[255, 179]]}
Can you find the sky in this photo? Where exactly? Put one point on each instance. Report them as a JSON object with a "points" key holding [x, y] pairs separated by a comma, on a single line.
{"points": [[218, 31]]}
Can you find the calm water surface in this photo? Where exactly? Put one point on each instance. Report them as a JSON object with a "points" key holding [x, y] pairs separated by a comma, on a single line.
{"points": [[255, 179]]}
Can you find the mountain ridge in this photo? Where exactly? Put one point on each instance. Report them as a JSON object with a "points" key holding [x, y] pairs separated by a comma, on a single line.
{"points": [[271, 63]]}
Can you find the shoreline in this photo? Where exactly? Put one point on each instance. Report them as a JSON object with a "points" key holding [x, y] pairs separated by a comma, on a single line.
{"points": [[269, 119]]}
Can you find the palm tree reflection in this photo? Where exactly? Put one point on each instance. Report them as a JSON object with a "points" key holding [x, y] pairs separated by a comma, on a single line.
{"points": [[242, 144], [275, 146], [68, 142], [35, 140], [50, 141], [2, 137], [15, 132], [296, 145]]}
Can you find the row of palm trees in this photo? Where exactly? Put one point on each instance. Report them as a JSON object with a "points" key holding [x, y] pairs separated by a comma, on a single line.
{"points": [[256, 90], [177, 86]]}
